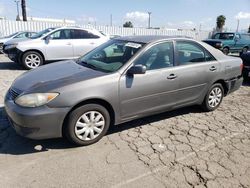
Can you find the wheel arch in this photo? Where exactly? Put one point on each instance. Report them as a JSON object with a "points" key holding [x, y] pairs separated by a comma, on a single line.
{"points": [[246, 47], [33, 50], [226, 47], [224, 85], [98, 101]]}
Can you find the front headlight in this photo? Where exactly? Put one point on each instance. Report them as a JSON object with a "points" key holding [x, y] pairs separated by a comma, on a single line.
{"points": [[35, 99], [10, 46]]}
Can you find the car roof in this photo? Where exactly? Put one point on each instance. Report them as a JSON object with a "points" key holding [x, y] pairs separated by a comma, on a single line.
{"points": [[150, 38]]}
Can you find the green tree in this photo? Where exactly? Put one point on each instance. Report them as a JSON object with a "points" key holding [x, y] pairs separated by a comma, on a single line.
{"points": [[128, 24], [23, 4], [220, 22]]}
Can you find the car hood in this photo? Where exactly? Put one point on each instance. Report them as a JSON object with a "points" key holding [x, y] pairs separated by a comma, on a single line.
{"points": [[3, 40], [52, 76], [15, 41]]}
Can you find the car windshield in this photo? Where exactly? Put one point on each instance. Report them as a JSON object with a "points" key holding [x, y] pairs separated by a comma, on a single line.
{"points": [[12, 35], [111, 56], [41, 33], [224, 36]]}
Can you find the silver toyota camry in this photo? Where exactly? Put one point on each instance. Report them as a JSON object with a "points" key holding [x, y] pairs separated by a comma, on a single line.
{"points": [[123, 79]]}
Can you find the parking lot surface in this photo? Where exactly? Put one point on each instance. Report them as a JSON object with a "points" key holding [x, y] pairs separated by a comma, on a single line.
{"points": [[183, 148]]}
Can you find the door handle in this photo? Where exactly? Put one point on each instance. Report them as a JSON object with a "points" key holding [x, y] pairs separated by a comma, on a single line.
{"points": [[171, 76], [92, 43], [68, 43], [213, 68]]}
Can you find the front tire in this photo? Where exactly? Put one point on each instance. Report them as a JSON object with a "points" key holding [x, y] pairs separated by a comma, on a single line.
{"points": [[245, 49], [87, 124], [32, 60], [213, 98]]}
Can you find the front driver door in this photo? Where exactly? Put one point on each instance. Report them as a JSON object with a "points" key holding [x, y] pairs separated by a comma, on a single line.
{"points": [[154, 90], [59, 46]]}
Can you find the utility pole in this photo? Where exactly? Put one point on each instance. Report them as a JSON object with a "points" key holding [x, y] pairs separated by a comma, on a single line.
{"points": [[111, 20], [17, 9], [149, 19], [24, 10], [238, 24]]}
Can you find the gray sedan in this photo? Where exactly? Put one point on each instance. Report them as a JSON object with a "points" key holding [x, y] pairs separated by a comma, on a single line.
{"points": [[124, 79]]}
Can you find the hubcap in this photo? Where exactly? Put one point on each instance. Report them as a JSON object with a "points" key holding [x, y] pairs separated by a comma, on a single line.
{"points": [[89, 126], [32, 61], [215, 97]]}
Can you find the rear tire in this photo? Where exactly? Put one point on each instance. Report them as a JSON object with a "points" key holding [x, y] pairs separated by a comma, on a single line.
{"points": [[213, 98], [32, 60], [87, 124], [225, 50]]}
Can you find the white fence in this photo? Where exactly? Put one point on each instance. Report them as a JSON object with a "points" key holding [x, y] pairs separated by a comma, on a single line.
{"points": [[7, 27]]}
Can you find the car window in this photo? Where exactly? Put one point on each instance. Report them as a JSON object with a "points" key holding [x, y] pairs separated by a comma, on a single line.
{"points": [[61, 34], [189, 52], [21, 35], [209, 57], [41, 33], [157, 57], [237, 36], [245, 36], [224, 36], [82, 34], [111, 56]]}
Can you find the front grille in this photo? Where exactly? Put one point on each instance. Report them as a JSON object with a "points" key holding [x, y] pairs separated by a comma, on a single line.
{"points": [[14, 93]]}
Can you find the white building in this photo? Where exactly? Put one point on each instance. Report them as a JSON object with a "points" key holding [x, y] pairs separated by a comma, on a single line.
{"points": [[50, 20]]}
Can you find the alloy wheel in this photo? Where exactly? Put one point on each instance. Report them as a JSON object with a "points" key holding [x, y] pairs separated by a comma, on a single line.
{"points": [[215, 97], [32, 61]]}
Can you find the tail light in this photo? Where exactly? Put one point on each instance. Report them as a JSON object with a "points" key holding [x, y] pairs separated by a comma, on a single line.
{"points": [[241, 67]]}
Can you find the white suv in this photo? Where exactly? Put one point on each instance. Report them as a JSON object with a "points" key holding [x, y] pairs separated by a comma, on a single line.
{"points": [[53, 44]]}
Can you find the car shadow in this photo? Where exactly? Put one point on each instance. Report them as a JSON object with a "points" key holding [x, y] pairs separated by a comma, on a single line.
{"points": [[246, 83], [13, 144], [10, 66]]}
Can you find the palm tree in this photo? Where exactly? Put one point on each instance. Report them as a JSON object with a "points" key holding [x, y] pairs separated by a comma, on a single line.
{"points": [[128, 24], [24, 10], [220, 23]]}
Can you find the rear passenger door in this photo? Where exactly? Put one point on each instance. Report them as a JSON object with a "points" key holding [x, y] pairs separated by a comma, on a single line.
{"points": [[196, 70], [83, 41]]}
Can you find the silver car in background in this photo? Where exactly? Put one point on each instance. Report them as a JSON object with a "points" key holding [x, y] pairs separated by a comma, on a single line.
{"points": [[124, 79], [54, 44], [17, 35]]}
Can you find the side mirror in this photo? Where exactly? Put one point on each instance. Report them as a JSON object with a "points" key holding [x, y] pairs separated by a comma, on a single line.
{"points": [[137, 69], [47, 38]]}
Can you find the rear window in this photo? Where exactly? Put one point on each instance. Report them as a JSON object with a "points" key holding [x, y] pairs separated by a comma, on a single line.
{"points": [[224, 36], [245, 36], [82, 34]]}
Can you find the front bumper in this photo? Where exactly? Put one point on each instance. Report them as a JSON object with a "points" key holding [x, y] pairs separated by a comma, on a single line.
{"points": [[14, 54], [36, 123]]}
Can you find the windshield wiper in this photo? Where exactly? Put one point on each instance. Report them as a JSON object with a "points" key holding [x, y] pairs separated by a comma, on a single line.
{"points": [[90, 66]]}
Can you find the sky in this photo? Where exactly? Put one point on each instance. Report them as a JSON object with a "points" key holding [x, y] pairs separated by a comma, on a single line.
{"points": [[186, 14]]}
